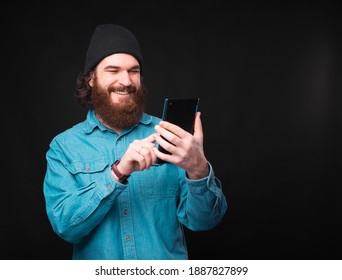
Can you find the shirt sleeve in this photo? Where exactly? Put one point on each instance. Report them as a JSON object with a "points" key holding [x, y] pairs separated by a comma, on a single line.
{"points": [[75, 206], [202, 202]]}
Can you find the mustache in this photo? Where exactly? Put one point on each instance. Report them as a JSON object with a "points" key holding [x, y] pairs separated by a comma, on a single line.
{"points": [[130, 89]]}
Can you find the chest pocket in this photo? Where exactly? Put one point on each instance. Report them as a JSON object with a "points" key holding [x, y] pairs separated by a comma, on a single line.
{"points": [[160, 181], [86, 171]]}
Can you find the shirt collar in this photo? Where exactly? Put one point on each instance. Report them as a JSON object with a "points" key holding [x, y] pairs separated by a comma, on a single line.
{"points": [[92, 121]]}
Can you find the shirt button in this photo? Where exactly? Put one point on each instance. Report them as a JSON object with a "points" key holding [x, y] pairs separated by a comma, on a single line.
{"points": [[127, 238], [87, 168], [108, 187], [125, 211]]}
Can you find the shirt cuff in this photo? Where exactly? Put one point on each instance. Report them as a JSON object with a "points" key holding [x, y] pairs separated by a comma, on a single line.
{"points": [[106, 184], [203, 184]]}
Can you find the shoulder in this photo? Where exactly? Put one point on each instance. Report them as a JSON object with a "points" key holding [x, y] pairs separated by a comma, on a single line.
{"points": [[70, 133]]}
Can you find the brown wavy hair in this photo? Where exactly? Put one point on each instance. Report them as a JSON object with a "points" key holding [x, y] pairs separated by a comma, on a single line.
{"points": [[82, 92]]}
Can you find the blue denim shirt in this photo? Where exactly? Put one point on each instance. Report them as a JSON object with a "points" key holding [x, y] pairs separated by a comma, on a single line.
{"points": [[142, 219]]}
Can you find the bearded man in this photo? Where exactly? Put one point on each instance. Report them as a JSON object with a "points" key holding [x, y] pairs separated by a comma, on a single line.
{"points": [[104, 192]]}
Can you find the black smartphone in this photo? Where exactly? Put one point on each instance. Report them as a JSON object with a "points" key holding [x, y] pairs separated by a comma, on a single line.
{"points": [[181, 112]]}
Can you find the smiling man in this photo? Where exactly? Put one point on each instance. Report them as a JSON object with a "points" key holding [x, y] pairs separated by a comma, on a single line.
{"points": [[103, 191]]}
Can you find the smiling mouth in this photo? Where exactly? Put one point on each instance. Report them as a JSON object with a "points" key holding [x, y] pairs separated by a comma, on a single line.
{"points": [[122, 92]]}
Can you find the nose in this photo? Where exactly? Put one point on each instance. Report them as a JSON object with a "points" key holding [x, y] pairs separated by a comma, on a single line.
{"points": [[125, 79]]}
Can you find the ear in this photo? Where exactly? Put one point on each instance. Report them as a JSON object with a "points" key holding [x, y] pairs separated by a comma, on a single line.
{"points": [[91, 78]]}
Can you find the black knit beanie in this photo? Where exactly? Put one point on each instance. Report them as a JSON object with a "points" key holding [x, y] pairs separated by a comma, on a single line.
{"points": [[107, 40]]}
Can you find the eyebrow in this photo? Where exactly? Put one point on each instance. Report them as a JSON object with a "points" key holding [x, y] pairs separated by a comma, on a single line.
{"points": [[113, 67]]}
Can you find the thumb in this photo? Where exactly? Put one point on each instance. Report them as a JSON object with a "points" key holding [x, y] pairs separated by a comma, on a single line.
{"points": [[198, 129]]}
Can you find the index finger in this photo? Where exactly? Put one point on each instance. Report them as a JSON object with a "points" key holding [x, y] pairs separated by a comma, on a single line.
{"points": [[149, 139]]}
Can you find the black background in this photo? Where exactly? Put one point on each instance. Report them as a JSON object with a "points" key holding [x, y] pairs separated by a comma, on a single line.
{"points": [[269, 77]]}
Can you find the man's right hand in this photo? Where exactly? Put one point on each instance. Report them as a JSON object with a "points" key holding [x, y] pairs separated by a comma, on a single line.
{"points": [[138, 156]]}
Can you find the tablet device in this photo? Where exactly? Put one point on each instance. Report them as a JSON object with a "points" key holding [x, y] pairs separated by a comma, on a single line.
{"points": [[181, 112]]}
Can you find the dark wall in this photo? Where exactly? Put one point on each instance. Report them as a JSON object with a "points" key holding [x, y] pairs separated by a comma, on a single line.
{"points": [[269, 79]]}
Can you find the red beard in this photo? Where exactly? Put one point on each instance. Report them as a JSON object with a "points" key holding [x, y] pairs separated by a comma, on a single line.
{"points": [[118, 116]]}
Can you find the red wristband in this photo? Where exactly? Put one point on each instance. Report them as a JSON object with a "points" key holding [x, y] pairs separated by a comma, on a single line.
{"points": [[121, 177]]}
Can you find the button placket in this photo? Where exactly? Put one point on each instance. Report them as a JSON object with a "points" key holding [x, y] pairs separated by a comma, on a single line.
{"points": [[126, 223]]}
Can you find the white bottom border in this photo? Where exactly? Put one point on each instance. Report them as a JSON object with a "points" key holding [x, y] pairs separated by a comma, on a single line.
{"points": [[182, 270]]}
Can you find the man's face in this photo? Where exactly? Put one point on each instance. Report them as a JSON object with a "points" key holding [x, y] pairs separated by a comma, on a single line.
{"points": [[117, 92]]}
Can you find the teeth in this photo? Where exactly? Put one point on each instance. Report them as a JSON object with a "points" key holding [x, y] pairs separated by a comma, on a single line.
{"points": [[121, 92]]}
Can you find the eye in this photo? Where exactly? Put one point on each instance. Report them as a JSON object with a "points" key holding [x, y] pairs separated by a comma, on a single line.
{"points": [[135, 70]]}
